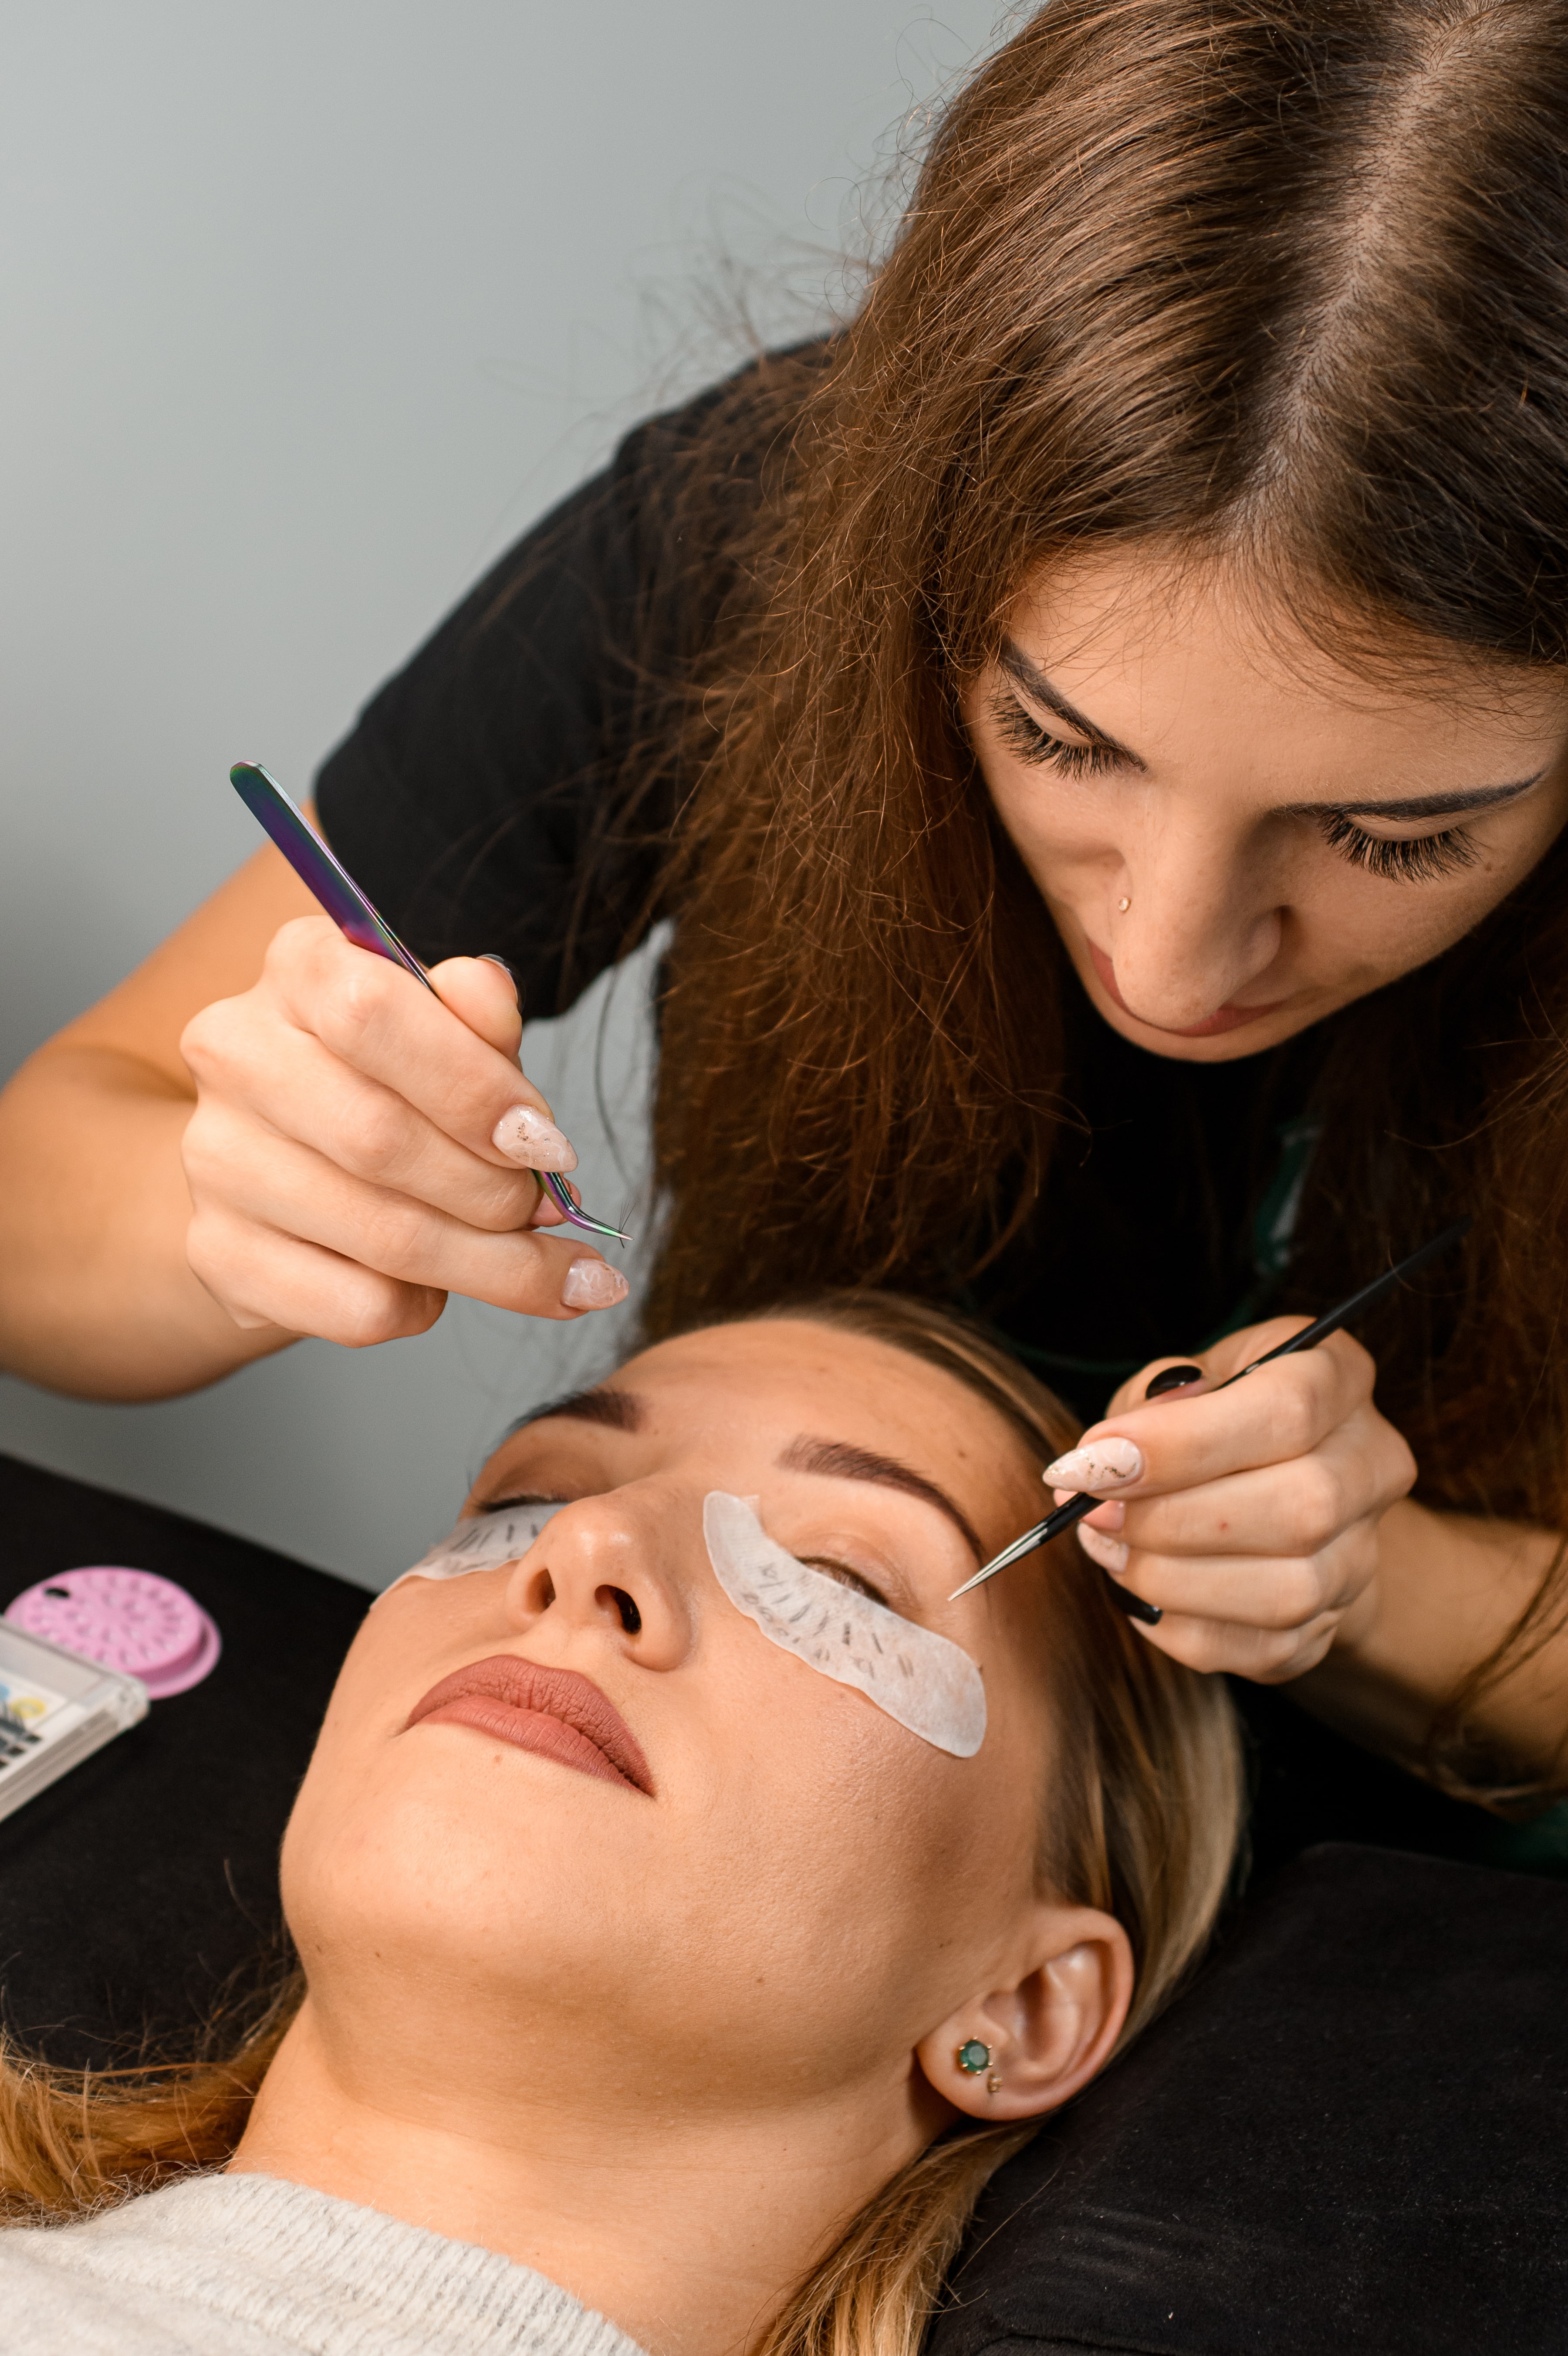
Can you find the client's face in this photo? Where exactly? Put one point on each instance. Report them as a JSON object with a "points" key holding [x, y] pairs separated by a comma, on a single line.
{"points": [[716, 1872]]}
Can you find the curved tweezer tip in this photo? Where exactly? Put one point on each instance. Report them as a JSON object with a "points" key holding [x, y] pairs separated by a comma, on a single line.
{"points": [[560, 1196]]}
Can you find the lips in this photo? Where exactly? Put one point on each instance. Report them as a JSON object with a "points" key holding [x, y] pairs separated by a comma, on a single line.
{"points": [[554, 1712], [1229, 1018]]}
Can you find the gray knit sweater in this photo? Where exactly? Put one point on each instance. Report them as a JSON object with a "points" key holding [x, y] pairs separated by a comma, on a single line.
{"points": [[245, 2266]]}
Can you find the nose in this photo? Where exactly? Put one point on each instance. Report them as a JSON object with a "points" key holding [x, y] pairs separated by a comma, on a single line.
{"points": [[611, 1569], [1201, 929]]}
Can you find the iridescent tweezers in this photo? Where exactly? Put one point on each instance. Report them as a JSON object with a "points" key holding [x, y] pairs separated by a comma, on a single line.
{"points": [[350, 911]]}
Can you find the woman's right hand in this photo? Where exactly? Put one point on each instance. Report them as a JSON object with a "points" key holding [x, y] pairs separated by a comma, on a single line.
{"points": [[359, 1149]]}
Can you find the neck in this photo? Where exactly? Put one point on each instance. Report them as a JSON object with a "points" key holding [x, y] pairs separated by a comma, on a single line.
{"points": [[687, 2227]]}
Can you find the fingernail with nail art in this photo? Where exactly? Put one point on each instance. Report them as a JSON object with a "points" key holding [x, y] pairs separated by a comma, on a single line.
{"points": [[1099, 1465], [527, 1135], [592, 1284], [1109, 1553]]}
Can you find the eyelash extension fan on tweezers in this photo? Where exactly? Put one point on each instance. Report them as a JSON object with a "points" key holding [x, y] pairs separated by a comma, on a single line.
{"points": [[351, 911]]}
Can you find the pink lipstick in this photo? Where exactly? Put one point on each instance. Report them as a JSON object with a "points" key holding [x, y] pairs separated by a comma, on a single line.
{"points": [[554, 1712]]}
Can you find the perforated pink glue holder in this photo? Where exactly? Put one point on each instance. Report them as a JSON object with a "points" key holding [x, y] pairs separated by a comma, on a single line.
{"points": [[130, 1619]]}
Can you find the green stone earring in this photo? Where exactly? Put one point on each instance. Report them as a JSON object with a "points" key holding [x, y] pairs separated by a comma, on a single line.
{"points": [[972, 2057]]}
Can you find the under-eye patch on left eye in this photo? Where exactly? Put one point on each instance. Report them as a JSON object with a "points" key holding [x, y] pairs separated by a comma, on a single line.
{"points": [[926, 1682], [482, 1542]]}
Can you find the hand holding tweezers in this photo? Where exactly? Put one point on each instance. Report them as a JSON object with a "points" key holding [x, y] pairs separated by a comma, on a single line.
{"points": [[351, 911], [1085, 1501]]}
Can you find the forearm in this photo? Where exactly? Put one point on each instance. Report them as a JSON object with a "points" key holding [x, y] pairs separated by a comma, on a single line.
{"points": [[1447, 1591], [96, 1296]]}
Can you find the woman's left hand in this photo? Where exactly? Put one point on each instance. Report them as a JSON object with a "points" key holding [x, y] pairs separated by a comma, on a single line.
{"points": [[1250, 1517]]}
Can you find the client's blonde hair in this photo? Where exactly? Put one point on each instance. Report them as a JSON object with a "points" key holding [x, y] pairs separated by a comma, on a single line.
{"points": [[1144, 1813]]}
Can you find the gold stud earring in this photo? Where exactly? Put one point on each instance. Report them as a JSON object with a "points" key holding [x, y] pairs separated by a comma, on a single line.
{"points": [[993, 2084]]}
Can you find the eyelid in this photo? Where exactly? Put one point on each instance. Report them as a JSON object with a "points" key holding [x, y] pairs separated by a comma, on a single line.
{"points": [[847, 1576], [1032, 740], [1400, 859], [521, 1497]]}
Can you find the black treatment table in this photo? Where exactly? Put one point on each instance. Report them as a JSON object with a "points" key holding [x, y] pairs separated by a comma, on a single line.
{"points": [[1349, 2134], [131, 1890]]}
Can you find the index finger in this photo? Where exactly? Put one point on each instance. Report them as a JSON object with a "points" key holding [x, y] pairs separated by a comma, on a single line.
{"points": [[1283, 1411], [388, 1027]]}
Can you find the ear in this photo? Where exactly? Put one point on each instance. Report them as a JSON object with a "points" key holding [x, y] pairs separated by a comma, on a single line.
{"points": [[1046, 2033]]}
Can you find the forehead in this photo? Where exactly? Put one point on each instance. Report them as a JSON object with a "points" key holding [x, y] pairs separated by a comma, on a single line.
{"points": [[1161, 633], [754, 1388]]}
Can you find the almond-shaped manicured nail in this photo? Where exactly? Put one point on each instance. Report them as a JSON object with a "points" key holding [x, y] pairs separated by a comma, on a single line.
{"points": [[1109, 1553], [592, 1284], [1102, 1465], [527, 1135]]}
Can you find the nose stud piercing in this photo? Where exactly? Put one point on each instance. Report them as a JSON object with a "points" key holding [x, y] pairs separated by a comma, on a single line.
{"points": [[972, 2057], [1121, 906]]}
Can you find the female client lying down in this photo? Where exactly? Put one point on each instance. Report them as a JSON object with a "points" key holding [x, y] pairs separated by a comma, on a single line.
{"points": [[649, 1972]]}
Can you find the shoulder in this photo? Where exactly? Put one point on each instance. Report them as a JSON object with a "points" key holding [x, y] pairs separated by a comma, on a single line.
{"points": [[487, 786], [655, 538]]}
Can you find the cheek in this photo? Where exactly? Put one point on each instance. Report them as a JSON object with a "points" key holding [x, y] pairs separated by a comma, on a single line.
{"points": [[1372, 932], [850, 1867]]}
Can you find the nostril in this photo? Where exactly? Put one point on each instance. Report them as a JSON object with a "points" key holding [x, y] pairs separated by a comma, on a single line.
{"points": [[631, 1618]]}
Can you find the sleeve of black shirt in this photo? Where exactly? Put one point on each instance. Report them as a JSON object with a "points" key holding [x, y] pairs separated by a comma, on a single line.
{"points": [[479, 799]]}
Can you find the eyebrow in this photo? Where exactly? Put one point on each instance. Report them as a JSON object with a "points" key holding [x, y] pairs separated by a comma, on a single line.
{"points": [[615, 1410], [1039, 688], [1419, 805], [839, 1460]]}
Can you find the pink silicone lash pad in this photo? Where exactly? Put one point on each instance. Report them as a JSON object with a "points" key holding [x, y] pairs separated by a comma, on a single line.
{"points": [[129, 1619]]}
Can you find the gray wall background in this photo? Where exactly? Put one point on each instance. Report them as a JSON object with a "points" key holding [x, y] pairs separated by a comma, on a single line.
{"points": [[307, 308]]}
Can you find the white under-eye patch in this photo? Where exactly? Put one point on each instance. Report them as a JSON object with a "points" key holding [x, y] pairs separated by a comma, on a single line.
{"points": [[929, 1685], [483, 1542]]}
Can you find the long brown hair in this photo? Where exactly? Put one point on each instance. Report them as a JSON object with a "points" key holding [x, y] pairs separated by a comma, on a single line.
{"points": [[1284, 279], [1141, 1818]]}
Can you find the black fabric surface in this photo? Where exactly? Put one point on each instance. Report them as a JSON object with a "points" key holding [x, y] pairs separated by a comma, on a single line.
{"points": [[1351, 2134], [133, 1889]]}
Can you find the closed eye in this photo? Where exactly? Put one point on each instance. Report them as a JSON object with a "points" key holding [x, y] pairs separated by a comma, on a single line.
{"points": [[523, 1497], [1423, 859], [845, 1576], [1023, 735]]}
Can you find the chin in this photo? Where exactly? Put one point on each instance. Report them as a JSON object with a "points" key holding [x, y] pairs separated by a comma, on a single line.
{"points": [[459, 1869]]}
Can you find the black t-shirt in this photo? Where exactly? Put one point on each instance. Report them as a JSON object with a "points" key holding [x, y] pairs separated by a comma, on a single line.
{"points": [[480, 802]]}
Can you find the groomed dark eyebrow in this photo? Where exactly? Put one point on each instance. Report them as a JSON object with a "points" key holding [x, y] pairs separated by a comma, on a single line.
{"points": [[1039, 688], [617, 1410], [1419, 805], [840, 1461]]}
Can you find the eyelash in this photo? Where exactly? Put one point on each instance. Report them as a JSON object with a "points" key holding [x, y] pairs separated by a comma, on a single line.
{"points": [[1031, 742], [1427, 860], [845, 1577]]}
